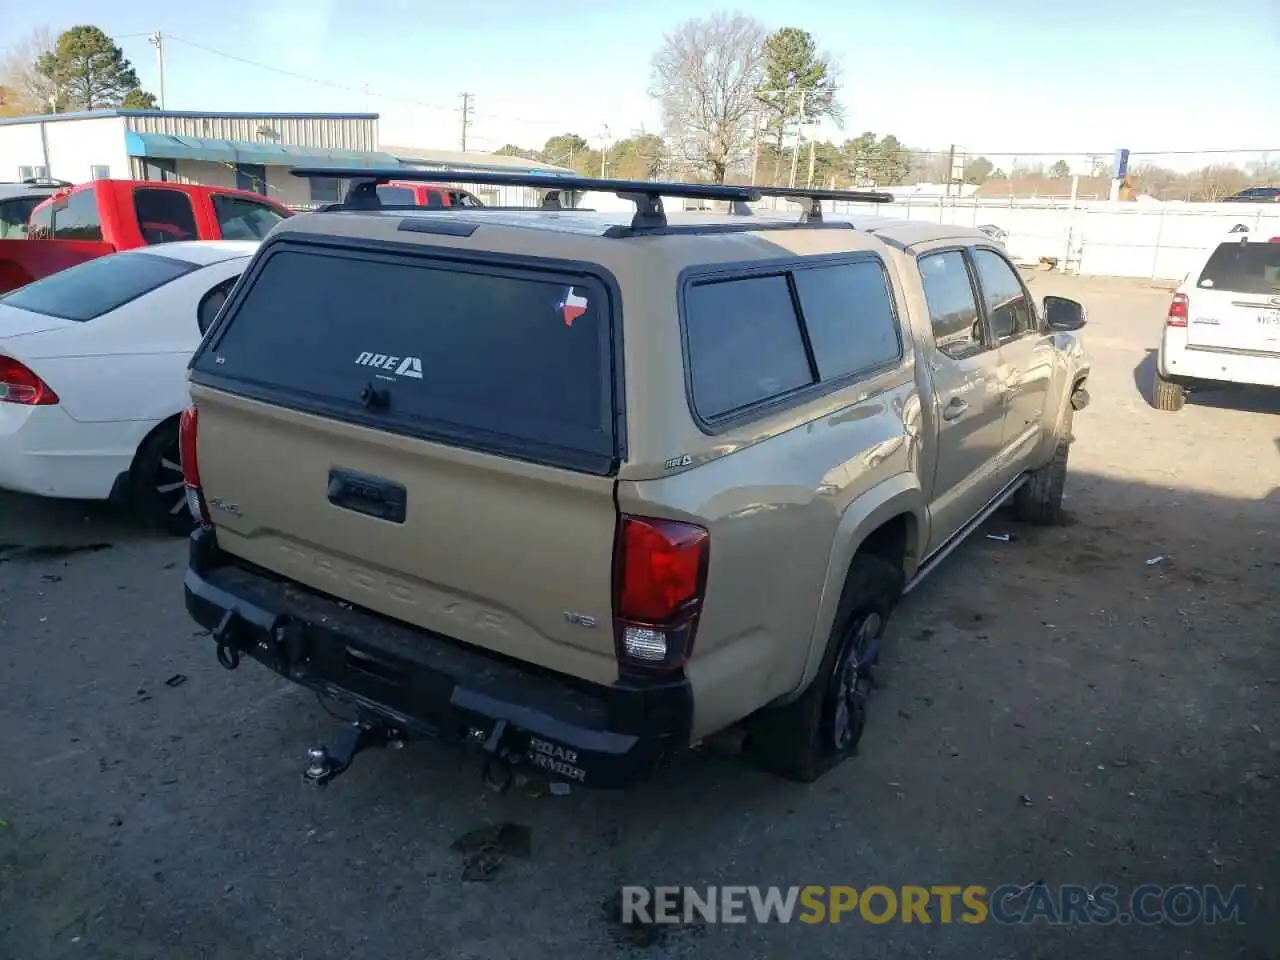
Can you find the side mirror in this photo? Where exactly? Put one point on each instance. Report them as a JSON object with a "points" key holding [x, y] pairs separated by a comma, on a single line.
{"points": [[1062, 313]]}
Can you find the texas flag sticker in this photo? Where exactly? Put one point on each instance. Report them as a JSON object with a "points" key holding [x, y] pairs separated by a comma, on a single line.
{"points": [[572, 306]]}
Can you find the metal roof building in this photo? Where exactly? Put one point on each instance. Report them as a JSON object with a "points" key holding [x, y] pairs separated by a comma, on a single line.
{"points": [[252, 151]]}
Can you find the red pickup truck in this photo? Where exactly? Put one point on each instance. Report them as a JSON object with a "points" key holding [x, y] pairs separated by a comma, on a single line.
{"points": [[104, 216], [408, 194]]}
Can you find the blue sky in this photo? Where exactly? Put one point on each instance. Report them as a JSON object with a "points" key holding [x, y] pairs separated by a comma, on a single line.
{"points": [[1147, 74]]}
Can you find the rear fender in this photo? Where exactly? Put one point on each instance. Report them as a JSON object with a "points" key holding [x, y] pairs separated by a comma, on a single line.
{"points": [[900, 494]]}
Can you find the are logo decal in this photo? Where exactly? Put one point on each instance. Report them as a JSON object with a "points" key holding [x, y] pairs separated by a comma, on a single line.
{"points": [[400, 366]]}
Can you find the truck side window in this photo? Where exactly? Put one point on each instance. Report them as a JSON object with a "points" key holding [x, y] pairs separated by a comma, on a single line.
{"points": [[77, 218], [850, 317], [241, 219], [744, 343], [164, 216], [395, 196], [1008, 305], [953, 308]]}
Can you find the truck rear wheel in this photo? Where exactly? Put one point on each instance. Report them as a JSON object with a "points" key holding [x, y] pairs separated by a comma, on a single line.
{"points": [[807, 737], [1167, 395], [1039, 500]]}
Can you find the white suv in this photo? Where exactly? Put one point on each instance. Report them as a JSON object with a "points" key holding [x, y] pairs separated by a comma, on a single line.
{"points": [[1224, 321], [17, 200]]}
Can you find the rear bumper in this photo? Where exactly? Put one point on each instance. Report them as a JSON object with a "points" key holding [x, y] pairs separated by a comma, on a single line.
{"points": [[43, 451], [427, 684], [1180, 362]]}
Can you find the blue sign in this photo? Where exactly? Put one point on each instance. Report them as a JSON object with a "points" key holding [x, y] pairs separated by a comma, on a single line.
{"points": [[1121, 167]]}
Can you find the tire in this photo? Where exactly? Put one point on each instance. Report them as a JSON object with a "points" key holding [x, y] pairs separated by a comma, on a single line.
{"points": [[1167, 395], [1039, 500], [158, 495], [807, 737]]}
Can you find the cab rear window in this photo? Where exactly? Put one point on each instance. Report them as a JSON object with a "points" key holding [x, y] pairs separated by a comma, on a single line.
{"points": [[1243, 268], [509, 361]]}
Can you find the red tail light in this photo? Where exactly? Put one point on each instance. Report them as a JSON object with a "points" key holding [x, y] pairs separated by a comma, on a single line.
{"points": [[1178, 311], [18, 384], [660, 575], [188, 425]]}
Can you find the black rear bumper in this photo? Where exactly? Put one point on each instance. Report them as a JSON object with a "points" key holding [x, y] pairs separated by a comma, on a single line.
{"points": [[426, 684]]}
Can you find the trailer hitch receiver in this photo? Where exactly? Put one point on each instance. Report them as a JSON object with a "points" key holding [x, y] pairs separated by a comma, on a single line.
{"points": [[325, 763]]}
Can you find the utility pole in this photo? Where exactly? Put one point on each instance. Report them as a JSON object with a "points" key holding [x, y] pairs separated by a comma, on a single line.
{"points": [[795, 154], [466, 119], [157, 40], [813, 159], [951, 167]]}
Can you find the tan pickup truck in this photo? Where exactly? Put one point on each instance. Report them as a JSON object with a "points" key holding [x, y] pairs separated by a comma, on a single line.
{"points": [[582, 489]]}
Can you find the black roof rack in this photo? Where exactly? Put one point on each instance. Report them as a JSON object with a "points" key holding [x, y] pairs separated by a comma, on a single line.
{"points": [[645, 194], [814, 198]]}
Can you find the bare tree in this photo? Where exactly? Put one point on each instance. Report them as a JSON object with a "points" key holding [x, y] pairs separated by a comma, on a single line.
{"points": [[706, 75], [26, 89]]}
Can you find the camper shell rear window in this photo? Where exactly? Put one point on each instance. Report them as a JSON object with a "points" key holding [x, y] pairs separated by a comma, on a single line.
{"points": [[512, 358]]}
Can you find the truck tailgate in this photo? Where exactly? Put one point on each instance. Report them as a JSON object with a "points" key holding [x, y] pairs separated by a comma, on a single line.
{"points": [[474, 498]]}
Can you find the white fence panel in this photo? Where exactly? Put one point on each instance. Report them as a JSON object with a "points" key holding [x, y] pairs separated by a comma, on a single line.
{"points": [[1095, 237]]}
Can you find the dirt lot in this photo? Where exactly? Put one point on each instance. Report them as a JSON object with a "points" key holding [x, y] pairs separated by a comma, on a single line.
{"points": [[1055, 708]]}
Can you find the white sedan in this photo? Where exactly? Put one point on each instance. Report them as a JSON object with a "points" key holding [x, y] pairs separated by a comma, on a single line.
{"points": [[93, 374]]}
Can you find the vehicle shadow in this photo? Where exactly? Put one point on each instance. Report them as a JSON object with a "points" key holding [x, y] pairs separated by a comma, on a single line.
{"points": [[1050, 706], [43, 522], [1246, 399]]}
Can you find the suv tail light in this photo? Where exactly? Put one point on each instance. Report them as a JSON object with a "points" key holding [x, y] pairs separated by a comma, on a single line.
{"points": [[19, 384], [187, 429], [1178, 311], [660, 576]]}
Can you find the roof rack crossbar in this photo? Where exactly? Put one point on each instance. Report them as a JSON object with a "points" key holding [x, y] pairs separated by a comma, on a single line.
{"points": [[811, 199], [645, 194]]}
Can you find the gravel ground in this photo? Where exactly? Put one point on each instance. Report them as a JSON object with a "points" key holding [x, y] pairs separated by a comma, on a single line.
{"points": [[1054, 708]]}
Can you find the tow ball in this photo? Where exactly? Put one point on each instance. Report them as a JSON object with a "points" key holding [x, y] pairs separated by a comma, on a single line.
{"points": [[325, 763]]}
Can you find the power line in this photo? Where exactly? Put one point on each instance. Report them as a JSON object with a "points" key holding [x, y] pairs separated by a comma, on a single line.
{"points": [[363, 90]]}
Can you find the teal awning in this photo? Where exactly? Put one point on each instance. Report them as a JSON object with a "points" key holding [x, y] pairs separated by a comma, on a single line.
{"points": [[165, 146]]}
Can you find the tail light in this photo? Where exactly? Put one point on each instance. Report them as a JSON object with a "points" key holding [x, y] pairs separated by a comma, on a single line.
{"points": [[187, 429], [1178, 311], [660, 576], [18, 384]]}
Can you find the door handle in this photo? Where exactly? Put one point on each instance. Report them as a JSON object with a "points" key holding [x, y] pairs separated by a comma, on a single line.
{"points": [[954, 409]]}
